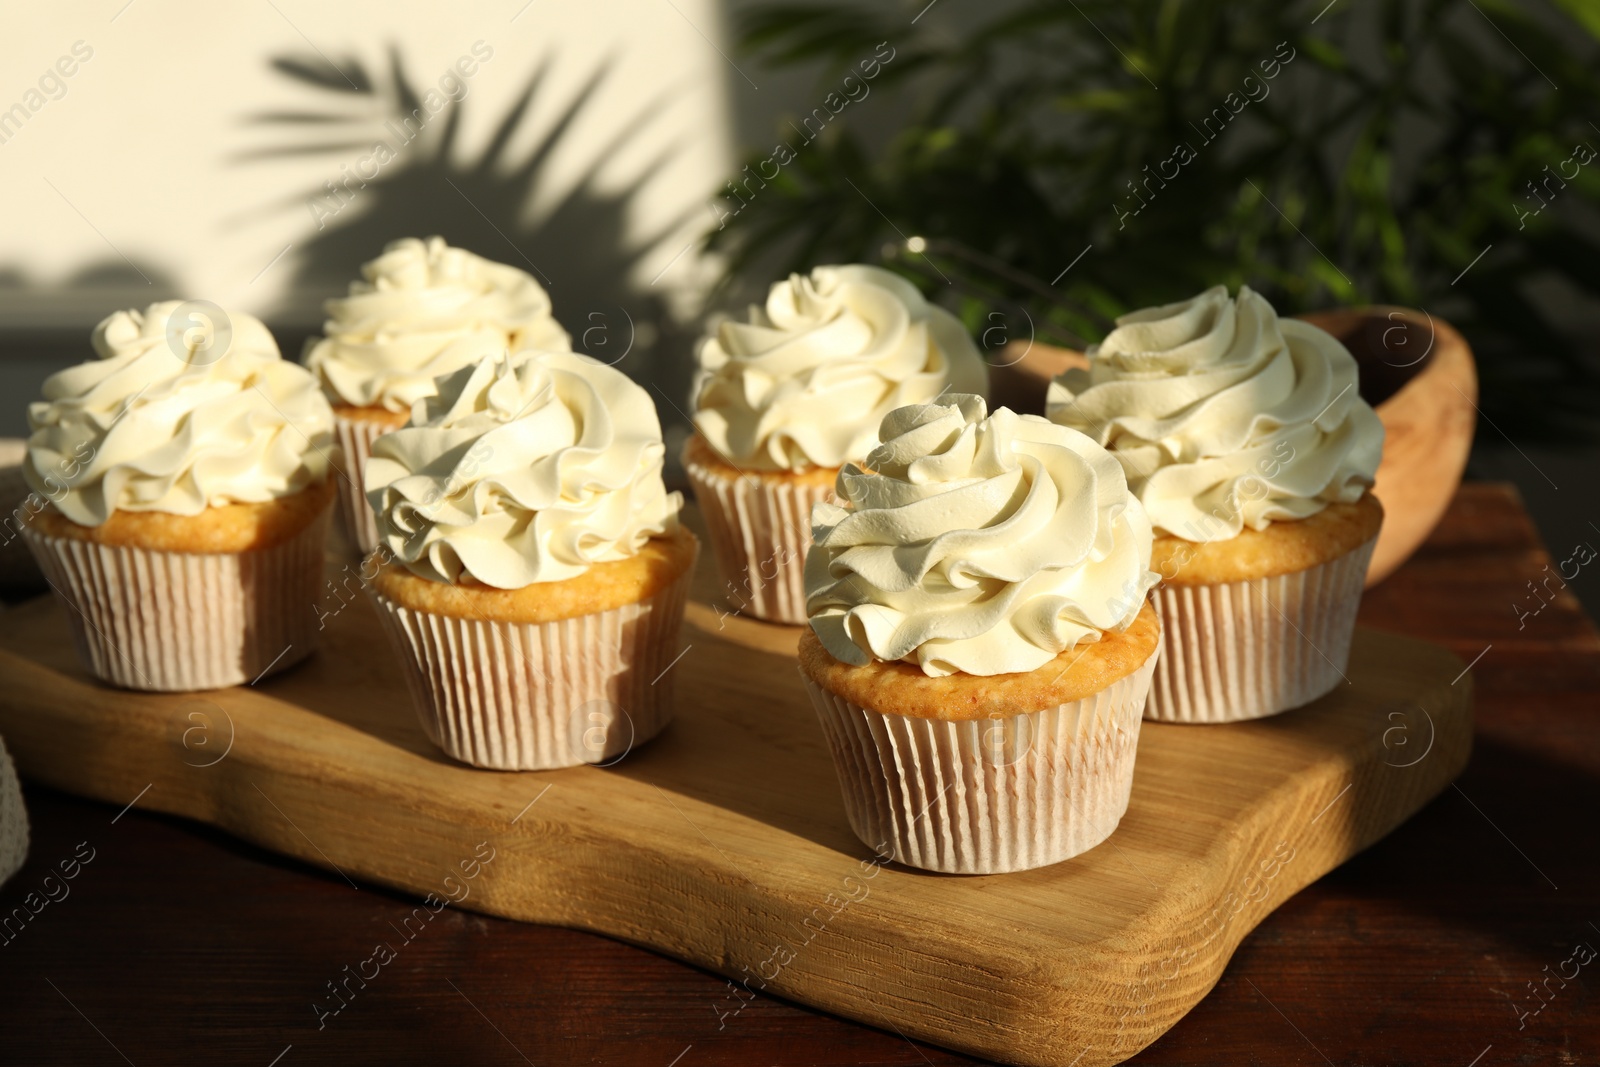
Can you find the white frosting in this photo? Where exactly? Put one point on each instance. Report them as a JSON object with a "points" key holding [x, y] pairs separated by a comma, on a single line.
{"points": [[807, 380], [1225, 415], [424, 310], [979, 545], [164, 421], [526, 467]]}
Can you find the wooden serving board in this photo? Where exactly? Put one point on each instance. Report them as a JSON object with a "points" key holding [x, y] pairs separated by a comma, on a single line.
{"points": [[724, 841]]}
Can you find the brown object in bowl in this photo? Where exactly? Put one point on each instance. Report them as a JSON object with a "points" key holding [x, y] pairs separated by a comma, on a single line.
{"points": [[1416, 370], [1023, 371]]}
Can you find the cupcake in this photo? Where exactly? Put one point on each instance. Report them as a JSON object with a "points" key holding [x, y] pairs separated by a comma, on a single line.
{"points": [[422, 310], [785, 400], [531, 572], [181, 493], [1244, 437], [980, 643]]}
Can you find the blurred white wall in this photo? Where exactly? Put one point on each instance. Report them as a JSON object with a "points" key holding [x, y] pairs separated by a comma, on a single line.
{"points": [[145, 162]]}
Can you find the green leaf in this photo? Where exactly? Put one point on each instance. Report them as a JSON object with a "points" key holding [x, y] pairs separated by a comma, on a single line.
{"points": [[1323, 53], [1396, 143], [1585, 13]]}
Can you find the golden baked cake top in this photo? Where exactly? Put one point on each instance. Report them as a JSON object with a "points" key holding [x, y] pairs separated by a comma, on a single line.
{"points": [[1281, 548], [900, 688], [604, 586]]}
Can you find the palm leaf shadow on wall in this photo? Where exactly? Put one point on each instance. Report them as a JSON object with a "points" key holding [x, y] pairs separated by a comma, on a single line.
{"points": [[578, 247]]}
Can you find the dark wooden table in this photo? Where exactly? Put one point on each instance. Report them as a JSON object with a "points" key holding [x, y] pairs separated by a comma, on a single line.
{"points": [[177, 945]]}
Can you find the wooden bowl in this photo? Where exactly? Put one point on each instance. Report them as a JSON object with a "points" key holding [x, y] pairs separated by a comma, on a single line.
{"points": [[1416, 370]]}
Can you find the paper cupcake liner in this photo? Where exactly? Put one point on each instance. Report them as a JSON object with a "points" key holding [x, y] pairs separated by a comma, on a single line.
{"points": [[760, 531], [13, 819], [987, 796], [1246, 650], [175, 621], [355, 437], [515, 696]]}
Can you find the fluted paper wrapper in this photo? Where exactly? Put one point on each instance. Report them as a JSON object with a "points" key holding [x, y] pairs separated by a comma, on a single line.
{"points": [[355, 438], [760, 531], [176, 621], [1246, 650], [13, 819], [516, 696], [987, 796]]}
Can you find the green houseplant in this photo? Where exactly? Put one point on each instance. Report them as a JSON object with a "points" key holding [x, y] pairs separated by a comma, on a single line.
{"points": [[1431, 153]]}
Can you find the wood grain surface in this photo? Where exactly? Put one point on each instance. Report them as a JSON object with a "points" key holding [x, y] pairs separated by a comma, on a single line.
{"points": [[179, 943], [724, 842]]}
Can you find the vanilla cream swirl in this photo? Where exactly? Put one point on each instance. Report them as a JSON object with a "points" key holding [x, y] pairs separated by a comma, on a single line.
{"points": [[1225, 415], [526, 467], [187, 407], [398, 328], [984, 545], [807, 380]]}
